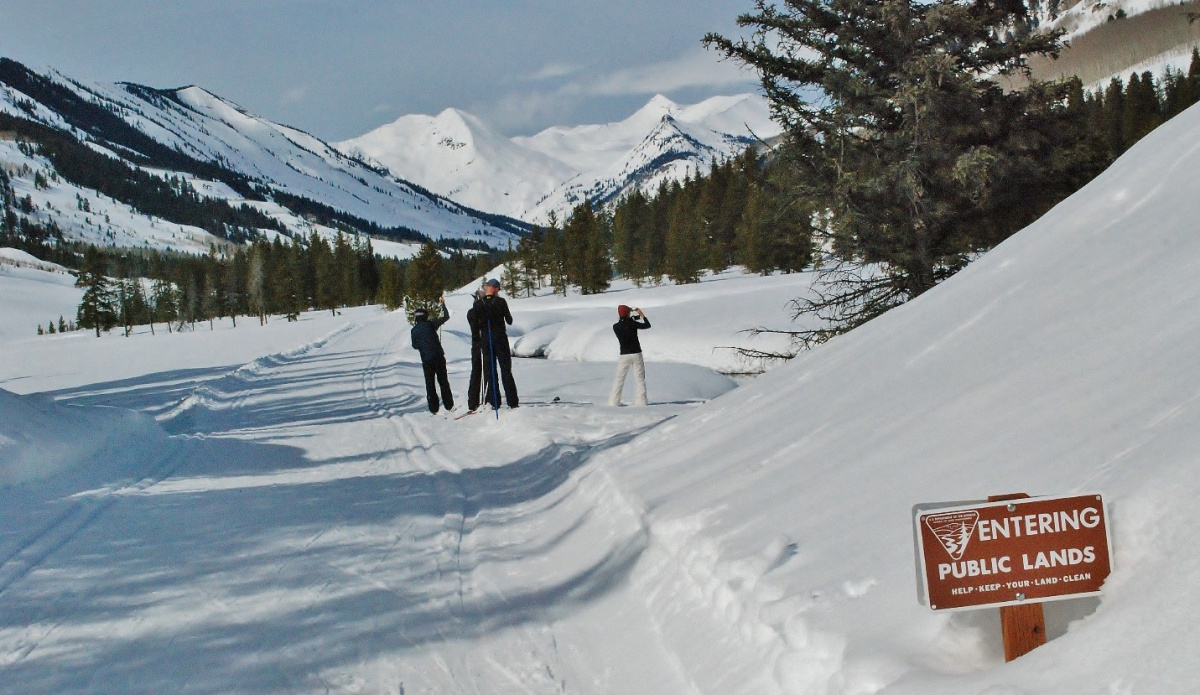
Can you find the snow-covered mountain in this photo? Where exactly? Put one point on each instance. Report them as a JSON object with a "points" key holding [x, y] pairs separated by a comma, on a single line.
{"points": [[224, 152], [463, 158], [458, 155]]}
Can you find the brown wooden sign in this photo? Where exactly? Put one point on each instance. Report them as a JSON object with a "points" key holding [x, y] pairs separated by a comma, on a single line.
{"points": [[1012, 552]]}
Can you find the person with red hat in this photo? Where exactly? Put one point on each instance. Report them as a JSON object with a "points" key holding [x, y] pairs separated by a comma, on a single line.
{"points": [[626, 328]]}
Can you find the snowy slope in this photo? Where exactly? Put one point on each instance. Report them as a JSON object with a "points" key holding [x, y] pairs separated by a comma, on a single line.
{"points": [[209, 129], [303, 524], [34, 293], [1060, 363], [459, 156]]}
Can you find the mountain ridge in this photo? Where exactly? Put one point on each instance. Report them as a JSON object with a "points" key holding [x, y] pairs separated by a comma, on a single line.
{"points": [[281, 171], [528, 177]]}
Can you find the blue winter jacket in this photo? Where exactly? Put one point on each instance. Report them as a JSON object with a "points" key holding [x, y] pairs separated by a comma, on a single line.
{"points": [[425, 338]]}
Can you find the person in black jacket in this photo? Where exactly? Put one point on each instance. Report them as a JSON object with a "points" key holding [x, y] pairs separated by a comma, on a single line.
{"points": [[477, 340], [493, 317], [433, 359], [626, 329]]}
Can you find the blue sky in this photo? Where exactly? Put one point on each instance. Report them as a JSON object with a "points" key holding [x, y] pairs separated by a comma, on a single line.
{"points": [[338, 68]]}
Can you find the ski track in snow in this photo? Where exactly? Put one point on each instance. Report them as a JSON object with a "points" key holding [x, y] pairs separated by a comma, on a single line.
{"points": [[416, 528]]}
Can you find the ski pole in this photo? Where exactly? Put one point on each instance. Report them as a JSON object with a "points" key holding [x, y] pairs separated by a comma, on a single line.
{"points": [[495, 386]]}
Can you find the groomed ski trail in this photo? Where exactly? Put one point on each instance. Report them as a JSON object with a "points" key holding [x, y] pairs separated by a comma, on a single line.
{"points": [[312, 528]]}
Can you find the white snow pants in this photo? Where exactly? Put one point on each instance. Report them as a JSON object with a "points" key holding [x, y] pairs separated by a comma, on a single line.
{"points": [[639, 379]]}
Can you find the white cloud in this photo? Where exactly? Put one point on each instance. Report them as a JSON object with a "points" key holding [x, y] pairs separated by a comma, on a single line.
{"points": [[553, 71], [558, 98], [517, 111], [697, 68]]}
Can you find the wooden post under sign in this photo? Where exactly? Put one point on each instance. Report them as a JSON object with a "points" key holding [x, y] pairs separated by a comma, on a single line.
{"points": [[1024, 626]]}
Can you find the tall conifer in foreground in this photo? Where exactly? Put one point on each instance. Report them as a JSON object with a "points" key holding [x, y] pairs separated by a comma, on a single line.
{"points": [[896, 127]]}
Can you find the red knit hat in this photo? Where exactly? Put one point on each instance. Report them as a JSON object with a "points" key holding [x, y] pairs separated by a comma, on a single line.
{"points": [[623, 311]]}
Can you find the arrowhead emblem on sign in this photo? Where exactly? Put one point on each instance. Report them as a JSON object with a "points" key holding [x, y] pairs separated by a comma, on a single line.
{"points": [[953, 530]]}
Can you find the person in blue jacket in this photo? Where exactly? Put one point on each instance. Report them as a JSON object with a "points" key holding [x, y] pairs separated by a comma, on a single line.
{"points": [[433, 358]]}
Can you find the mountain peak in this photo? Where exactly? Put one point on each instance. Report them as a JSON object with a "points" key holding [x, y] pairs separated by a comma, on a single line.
{"points": [[459, 155], [658, 106]]}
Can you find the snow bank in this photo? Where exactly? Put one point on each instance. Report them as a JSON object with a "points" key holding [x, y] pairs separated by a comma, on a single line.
{"points": [[22, 259], [1064, 361], [39, 439], [698, 323]]}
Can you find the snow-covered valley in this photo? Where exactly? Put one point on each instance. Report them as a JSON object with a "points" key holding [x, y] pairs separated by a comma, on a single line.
{"points": [[273, 509]]}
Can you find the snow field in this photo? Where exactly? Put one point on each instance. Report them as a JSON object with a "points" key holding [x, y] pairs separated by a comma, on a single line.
{"points": [[310, 527], [33, 296], [447, 532], [693, 326]]}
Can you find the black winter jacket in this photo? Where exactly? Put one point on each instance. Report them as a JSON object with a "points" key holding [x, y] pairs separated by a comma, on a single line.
{"points": [[626, 330], [492, 312], [473, 323], [425, 338]]}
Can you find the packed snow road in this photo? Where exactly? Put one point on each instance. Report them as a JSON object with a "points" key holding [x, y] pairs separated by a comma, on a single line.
{"points": [[305, 525]]}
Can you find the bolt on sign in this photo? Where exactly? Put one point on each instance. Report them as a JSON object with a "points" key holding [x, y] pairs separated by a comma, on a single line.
{"points": [[1007, 553]]}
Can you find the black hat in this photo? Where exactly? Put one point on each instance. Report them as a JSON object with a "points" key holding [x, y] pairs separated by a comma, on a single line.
{"points": [[420, 314]]}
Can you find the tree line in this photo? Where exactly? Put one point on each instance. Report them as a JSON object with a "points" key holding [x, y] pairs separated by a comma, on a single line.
{"points": [[131, 287], [733, 215], [1122, 113]]}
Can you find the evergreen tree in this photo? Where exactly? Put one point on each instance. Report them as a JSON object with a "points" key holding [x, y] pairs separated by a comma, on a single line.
{"points": [[711, 231], [424, 280], [754, 235], [97, 309], [165, 301], [1114, 121], [685, 256], [132, 303], [1142, 109], [368, 270], [345, 262], [391, 285], [586, 249], [192, 303], [326, 289], [291, 282], [913, 147], [212, 301], [554, 256], [733, 206], [233, 278], [632, 224], [256, 290]]}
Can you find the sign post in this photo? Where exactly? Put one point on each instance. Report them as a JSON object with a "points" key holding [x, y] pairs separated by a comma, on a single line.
{"points": [[1012, 552], [1023, 628]]}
